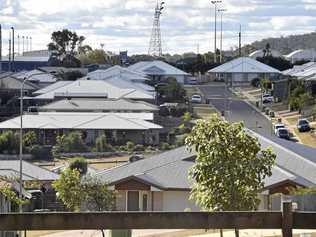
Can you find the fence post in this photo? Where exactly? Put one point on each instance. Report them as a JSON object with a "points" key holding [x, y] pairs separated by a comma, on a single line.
{"points": [[287, 219]]}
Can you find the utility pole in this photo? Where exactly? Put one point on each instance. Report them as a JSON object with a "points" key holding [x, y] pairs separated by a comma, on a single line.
{"points": [[0, 44], [27, 43], [215, 28], [13, 65], [9, 62], [240, 41], [31, 43], [221, 46], [23, 37], [18, 44]]}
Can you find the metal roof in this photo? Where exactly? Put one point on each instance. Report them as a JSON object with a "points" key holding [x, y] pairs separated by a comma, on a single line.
{"points": [[98, 105], [79, 121], [169, 170], [90, 87], [163, 68], [244, 65], [11, 169]]}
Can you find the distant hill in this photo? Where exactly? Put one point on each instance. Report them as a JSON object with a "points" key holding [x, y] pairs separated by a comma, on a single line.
{"points": [[287, 44]]}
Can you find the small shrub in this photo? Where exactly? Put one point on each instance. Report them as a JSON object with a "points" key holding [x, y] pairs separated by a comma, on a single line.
{"points": [[164, 146], [130, 146], [101, 144], [40, 152], [79, 164]]}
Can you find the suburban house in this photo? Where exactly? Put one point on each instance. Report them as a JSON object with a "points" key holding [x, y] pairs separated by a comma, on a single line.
{"points": [[301, 55], [243, 70], [100, 106], [10, 169], [118, 127], [38, 77], [261, 52], [90, 89], [160, 183], [160, 71]]}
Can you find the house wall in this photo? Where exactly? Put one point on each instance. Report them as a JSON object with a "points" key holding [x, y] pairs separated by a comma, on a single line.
{"points": [[5, 207], [178, 201]]}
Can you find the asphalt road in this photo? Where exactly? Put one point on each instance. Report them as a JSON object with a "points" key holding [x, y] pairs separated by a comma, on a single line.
{"points": [[238, 109]]}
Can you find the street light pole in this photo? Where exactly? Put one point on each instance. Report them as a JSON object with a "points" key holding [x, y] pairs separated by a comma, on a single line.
{"points": [[21, 135], [221, 43], [215, 28]]}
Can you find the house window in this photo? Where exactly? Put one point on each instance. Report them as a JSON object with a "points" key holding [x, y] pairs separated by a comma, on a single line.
{"points": [[145, 202]]}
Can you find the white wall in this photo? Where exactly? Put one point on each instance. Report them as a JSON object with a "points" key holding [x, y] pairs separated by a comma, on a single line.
{"points": [[178, 201]]}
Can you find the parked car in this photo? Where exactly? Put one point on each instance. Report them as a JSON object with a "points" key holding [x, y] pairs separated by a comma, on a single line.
{"points": [[303, 125], [277, 126], [197, 99], [267, 98], [283, 133]]}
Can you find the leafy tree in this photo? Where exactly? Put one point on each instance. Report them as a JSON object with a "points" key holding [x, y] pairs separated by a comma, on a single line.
{"points": [[230, 166], [173, 91], [101, 144], [69, 189], [97, 56], [64, 46], [71, 75], [29, 139], [79, 164], [9, 193], [86, 192], [275, 62], [9, 142], [71, 142]]}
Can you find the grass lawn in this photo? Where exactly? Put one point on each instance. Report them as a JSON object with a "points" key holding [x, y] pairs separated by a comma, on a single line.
{"points": [[204, 112], [306, 137]]}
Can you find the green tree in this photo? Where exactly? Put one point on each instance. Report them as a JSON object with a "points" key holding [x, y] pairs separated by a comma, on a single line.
{"points": [[86, 192], [101, 144], [9, 142], [79, 164], [65, 45], [230, 166], [29, 139], [69, 189], [97, 56]]}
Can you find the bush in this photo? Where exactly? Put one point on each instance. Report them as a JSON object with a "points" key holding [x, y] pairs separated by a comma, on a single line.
{"points": [[255, 82], [40, 152], [164, 146], [101, 144], [164, 111], [79, 164], [29, 139], [9, 142], [130, 146]]}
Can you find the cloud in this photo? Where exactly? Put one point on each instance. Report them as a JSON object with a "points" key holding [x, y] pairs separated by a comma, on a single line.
{"points": [[126, 24]]}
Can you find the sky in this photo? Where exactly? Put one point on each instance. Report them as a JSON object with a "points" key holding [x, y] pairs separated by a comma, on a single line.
{"points": [[186, 25]]}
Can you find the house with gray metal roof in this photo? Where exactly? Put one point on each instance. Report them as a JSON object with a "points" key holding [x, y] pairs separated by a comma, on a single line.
{"points": [[99, 105], [161, 183]]}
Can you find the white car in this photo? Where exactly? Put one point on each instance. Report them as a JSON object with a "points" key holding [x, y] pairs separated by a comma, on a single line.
{"points": [[196, 99], [277, 126], [267, 98]]}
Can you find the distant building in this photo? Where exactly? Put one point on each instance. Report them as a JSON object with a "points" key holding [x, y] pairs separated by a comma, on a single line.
{"points": [[22, 63], [243, 70], [160, 71], [260, 53], [301, 55]]}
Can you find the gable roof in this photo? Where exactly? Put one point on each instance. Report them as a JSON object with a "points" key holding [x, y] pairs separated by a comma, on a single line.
{"points": [[13, 83], [34, 75], [98, 105], [157, 68], [117, 71], [11, 169], [78, 121], [94, 87], [244, 65], [169, 170]]}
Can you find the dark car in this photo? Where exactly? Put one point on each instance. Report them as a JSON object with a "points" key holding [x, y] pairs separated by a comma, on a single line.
{"points": [[283, 133], [303, 125]]}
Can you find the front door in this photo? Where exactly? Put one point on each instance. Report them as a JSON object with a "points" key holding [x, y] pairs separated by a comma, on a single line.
{"points": [[132, 201]]}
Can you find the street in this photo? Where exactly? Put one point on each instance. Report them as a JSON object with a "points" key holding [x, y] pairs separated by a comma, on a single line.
{"points": [[238, 110]]}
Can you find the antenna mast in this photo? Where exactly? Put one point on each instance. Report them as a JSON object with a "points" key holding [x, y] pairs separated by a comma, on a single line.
{"points": [[155, 48]]}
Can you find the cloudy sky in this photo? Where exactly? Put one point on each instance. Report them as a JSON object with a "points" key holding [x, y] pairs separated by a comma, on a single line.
{"points": [[126, 24]]}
